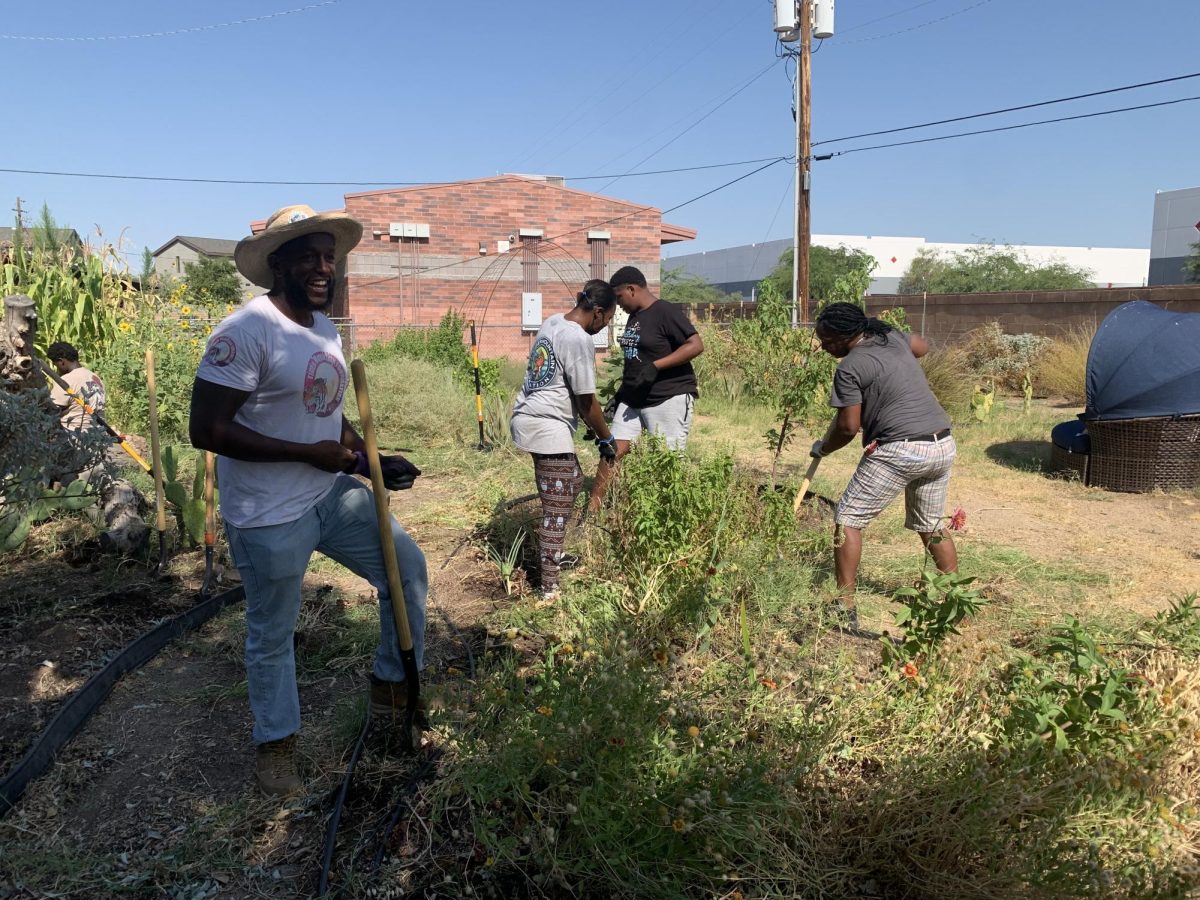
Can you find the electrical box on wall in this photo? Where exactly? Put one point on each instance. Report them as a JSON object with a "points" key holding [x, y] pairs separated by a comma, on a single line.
{"points": [[408, 229], [502, 246], [531, 310]]}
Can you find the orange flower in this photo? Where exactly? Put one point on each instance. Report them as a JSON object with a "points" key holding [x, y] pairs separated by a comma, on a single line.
{"points": [[768, 683], [909, 670], [958, 520]]}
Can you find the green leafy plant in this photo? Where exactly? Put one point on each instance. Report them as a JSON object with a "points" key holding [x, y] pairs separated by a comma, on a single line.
{"points": [[982, 401], [189, 510], [1077, 698], [1178, 625], [16, 522], [442, 345], [930, 612]]}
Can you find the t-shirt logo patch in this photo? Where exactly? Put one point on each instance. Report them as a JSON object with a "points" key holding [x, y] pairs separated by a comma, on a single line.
{"points": [[324, 384], [221, 352], [631, 339], [542, 365]]}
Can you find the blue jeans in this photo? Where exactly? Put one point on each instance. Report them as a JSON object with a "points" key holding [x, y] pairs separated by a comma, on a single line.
{"points": [[272, 561]]}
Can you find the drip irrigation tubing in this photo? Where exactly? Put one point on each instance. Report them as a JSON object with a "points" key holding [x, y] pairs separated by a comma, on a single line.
{"points": [[79, 708]]}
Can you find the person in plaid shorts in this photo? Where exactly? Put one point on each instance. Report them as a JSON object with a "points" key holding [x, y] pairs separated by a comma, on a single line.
{"points": [[880, 389]]}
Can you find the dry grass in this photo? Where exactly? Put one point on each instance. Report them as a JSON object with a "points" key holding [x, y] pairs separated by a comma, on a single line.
{"points": [[1060, 370], [944, 370]]}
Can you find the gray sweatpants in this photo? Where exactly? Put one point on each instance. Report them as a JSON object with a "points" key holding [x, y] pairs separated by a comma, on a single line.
{"points": [[672, 418]]}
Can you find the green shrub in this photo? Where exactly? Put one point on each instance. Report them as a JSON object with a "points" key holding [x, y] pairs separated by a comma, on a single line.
{"points": [[442, 346], [1004, 358], [949, 379], [1061, 369]]}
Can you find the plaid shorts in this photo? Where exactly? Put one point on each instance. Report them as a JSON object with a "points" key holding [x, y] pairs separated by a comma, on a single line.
{"points": [[919, 468]]}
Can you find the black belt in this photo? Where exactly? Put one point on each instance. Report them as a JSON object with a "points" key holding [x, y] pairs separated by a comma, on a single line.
{"points": [[944, 433]]}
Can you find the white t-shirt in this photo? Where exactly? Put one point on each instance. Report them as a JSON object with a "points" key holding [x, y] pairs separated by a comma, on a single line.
{"points": [[562, 363], [296, 377]]}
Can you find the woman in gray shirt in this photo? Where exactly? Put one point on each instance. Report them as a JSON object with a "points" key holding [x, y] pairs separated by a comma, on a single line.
{"points": [[560, 385]]}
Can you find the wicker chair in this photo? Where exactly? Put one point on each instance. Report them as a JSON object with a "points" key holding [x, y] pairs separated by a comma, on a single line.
{"points": [[1138, 455], [1065, 462]]}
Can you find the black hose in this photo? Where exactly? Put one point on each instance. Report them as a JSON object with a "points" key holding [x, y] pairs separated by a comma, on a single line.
{"points": [[79, 708], [335, 816]]}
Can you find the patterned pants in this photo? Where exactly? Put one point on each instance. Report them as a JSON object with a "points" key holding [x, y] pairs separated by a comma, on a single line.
{"points": [[558, 481]]}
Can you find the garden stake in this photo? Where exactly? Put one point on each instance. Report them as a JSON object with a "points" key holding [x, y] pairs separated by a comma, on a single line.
{"points": [[210, 522], [478, 388], [804, 485], [87, 407], [160, 507], [387, 545]]}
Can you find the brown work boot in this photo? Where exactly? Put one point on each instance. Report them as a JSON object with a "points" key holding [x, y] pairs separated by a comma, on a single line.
{"points": [[275, 767], [389, 700]]}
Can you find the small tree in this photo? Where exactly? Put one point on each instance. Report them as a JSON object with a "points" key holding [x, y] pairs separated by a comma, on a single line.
{"points": [[987, 267], [147, 274], [676, 287], [1192, 265], [213, 281], [833, 271]]}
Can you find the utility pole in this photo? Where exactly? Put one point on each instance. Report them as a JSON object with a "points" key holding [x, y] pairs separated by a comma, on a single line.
{"points": [[803, 236], [20, 216], [801, 20]]}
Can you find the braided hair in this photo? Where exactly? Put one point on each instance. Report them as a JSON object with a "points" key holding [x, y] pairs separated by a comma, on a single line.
{"points": [[596, 294], [847, 320]]}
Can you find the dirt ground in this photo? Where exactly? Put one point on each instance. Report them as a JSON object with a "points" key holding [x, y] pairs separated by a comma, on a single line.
{"points": [[143, 797]]}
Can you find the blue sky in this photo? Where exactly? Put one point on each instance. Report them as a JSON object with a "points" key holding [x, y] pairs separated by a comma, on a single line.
{"points": [[367, 90]]}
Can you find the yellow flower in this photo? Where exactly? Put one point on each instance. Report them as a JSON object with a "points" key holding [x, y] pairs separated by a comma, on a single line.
{"points": [[170, 346], [228, 307], [187, 310], [545, 711], [184, 324], [679, 825], [125, 326], [208, 329], [693, 731]]}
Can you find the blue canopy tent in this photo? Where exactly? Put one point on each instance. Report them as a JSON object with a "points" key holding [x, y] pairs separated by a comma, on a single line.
{"points": [[1144, 361], [1143, 400]]}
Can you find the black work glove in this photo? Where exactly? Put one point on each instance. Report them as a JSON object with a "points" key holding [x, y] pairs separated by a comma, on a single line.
{"points": [[608, 449], [640, 375], [610, 408], [398, 473]]}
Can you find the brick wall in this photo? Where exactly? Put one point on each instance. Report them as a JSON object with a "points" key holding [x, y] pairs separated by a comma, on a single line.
{"points": [[947, 317], [447, 271]]}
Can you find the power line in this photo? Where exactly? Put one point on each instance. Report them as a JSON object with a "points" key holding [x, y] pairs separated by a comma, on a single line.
{"points": [[877, 37], [425, 184], [588, 227], [947, 137], [892, 15], [177, 31], [1008, 109], [650, 156]]}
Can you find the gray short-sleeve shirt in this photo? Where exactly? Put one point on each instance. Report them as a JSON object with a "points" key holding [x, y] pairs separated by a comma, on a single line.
{"points": [[882, 374], [562, 365]]}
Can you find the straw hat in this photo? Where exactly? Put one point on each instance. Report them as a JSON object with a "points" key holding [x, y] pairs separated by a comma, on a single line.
{"points": [[288, 224]]}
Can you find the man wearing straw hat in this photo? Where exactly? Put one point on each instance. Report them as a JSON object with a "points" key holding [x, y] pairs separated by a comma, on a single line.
{"points": [[268, 399]]}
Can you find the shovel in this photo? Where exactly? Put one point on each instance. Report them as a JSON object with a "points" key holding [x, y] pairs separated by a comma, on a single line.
{"points": [[210, 522], [391, 566], [805, 484], [160, 506], [96, 417]]}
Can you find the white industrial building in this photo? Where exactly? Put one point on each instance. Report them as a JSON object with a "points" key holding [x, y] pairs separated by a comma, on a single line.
{"points": [[739, 269]]}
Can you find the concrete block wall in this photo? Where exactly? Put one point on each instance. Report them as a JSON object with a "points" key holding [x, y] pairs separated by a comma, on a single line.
{"points": [[948, 317]]}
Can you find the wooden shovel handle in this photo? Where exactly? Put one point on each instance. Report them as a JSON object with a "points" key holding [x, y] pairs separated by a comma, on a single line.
{"points": [[210, 508], [155, 450], [390, 565], [805, 484]]}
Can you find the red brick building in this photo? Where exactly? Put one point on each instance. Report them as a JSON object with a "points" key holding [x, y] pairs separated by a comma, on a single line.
{"points": [[489, 249]]}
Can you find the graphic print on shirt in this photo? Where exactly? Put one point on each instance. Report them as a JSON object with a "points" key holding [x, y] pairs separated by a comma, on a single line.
{"points": [[631, 339], [542, 365], [324, 384], [221, 352]]}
